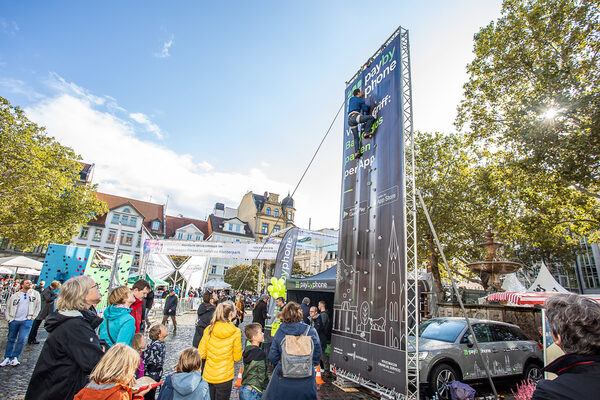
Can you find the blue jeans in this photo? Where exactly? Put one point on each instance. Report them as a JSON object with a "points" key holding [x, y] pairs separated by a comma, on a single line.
{"points": [[18, 331], [249, 393]]}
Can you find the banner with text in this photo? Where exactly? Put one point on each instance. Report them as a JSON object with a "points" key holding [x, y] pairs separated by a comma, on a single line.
{"points": [[211, 249], [368, 327]]}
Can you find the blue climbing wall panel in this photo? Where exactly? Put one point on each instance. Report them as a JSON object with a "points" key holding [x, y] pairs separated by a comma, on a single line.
{"points": [[63, 262]]}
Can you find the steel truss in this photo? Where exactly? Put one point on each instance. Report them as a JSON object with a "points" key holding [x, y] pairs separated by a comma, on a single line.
{"points": [[411, 282]]}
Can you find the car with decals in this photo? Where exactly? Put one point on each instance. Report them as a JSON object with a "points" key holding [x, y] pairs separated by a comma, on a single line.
{"points": [[447, 352]]}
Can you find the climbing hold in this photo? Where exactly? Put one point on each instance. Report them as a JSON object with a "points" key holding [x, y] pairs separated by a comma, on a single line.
{"points": [[379, 237]]}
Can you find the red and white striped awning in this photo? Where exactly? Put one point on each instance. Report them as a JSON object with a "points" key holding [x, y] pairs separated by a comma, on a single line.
{"points": [[528, 298]]}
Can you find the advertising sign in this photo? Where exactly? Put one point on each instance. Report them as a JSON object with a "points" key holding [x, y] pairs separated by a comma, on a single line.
{"points": [[368, 328], [211, 249]]}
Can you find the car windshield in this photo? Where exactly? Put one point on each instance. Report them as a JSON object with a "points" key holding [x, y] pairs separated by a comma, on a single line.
{"points": [[444, 330]]}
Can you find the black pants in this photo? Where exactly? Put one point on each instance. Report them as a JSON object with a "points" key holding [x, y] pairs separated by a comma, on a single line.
{"points": [[220, 391], [151, 395], [34, 330], [353, 120]]}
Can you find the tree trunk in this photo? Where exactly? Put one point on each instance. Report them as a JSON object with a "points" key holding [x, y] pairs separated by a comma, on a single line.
{"points": [[435, 268]]}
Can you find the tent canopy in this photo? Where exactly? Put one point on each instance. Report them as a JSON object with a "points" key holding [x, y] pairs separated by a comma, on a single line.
{"points": [[216, 284], [154, 282], [21, 262], [528, 298], [321, 282], [545, 282]]}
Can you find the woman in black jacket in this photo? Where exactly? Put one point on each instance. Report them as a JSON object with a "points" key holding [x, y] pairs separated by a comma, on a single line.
{"points": [[205, 313], [72, 349]]}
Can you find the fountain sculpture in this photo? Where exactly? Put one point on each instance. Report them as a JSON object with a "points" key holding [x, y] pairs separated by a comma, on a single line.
{"points": [[492, 269]]}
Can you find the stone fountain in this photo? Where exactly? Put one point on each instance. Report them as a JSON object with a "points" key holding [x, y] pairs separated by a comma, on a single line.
{"points": [[492, 269]]}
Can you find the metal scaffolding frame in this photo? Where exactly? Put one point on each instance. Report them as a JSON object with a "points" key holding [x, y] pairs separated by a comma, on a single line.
{"points": [[411, 294]]}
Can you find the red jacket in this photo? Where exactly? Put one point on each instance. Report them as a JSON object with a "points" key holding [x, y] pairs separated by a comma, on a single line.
{"points": [[136, 312], [94, 391]]}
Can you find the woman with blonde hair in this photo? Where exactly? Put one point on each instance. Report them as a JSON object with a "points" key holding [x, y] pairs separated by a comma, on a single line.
{"points": [[72, 349], [113, 377], [118, 325], [221, 346]]}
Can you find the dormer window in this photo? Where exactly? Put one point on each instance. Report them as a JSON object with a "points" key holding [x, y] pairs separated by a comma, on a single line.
{"points": [[127, 210], [155, 225], [268, 210], [276, 212]]}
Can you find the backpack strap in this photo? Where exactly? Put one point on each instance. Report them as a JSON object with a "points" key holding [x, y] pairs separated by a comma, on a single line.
{"points": [[306, 332], [109, 336]]}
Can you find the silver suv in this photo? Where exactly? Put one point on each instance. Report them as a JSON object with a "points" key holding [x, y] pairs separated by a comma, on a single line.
{"points": [[447, 353]]}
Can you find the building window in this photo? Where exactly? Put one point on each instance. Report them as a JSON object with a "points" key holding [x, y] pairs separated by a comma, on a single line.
{"points": [[225, 270], [276, 228], [230, 227], [237, 228], [276, 212], [126, 210], [128, 239], [84, 232], [179, 235], [125, 220], [115, 218], [265, 228], [132, 221], [111, 236], [155, 225], [268, 210], [139, 241], [97, 235], [189, 236], [198, 237], [213, 269], [290, 215]]}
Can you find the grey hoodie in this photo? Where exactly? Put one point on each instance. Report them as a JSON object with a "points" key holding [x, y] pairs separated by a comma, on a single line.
{"points": [[188, 386]]}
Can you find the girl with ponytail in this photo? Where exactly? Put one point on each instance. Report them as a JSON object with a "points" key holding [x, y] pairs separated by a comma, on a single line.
{"points": [[221, 347]]}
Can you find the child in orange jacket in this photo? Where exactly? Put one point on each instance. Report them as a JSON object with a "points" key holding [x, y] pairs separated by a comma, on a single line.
{"points": [[113, 377]]}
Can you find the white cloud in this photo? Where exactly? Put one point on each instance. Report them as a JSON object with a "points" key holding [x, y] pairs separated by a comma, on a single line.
{"points": [[164, 53], [15, 86], [128, 165], [145, 121], [9, 27]]}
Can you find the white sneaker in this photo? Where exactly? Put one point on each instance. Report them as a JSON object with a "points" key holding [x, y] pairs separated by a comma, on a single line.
{"points": [[5, 362], [15, 362]]}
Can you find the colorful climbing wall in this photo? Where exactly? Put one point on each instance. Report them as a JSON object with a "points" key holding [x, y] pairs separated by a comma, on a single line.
{"points": [[63, 262], [100, 267]]}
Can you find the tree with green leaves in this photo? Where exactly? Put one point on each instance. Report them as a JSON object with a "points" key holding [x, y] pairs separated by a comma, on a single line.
{"points": [[243, 277], [468, 189], [41, 198], [534, 90]]}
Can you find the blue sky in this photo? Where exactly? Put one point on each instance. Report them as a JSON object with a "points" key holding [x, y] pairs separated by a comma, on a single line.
{"points": [[203, 101]]}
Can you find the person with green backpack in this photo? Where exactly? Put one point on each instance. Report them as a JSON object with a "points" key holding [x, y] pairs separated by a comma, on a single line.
{"points": [[295, 352]]}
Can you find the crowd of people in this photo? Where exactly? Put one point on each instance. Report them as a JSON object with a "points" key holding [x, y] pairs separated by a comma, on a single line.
{"points": [[88, 357]]}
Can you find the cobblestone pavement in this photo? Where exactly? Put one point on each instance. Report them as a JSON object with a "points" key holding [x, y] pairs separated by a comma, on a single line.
{"points": [[14, 380]]}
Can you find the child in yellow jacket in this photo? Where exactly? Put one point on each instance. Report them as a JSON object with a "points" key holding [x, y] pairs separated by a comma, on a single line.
{"points": [[221, 347]]}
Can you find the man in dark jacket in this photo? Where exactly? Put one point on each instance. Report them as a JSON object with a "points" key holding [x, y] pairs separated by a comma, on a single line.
{"points": [[170, 309], [205, 313], [149, 302], [259, 314], [305, 307], [574, 322], [48, 296]]}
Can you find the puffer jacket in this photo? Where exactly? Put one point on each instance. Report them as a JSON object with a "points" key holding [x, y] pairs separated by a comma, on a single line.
{"points": [[221, 348], [120, 323], [106, 391], [205, 313]]}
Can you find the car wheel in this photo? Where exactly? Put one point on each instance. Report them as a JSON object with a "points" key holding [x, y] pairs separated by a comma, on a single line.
{"points": [[442, 377], [533, 373]]}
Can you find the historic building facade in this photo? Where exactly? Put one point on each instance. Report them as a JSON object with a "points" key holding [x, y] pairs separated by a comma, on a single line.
{"points": [[265, 214]]}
